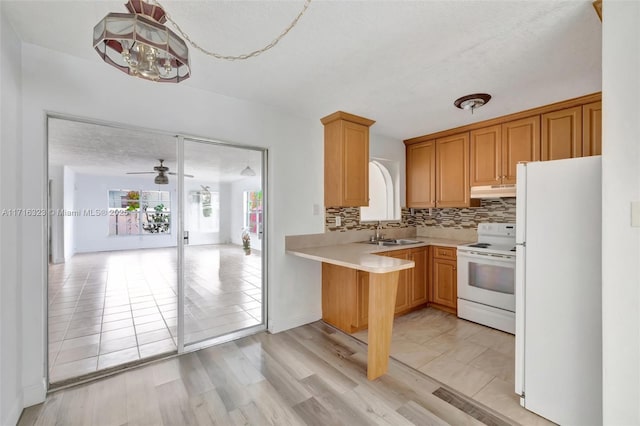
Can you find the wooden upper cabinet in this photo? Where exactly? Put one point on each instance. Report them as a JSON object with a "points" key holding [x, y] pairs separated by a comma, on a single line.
{"points": [[452, 171], [520, 142], [496, 150], [592, 129], [486, 155], [346, 160], [562, 134], [421, 174]]}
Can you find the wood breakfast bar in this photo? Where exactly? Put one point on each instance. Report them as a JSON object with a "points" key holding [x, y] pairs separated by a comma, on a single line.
{"points": [[383, 286]]}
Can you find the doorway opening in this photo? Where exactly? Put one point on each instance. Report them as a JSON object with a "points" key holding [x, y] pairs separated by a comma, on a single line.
{"points": [[146, 256]]}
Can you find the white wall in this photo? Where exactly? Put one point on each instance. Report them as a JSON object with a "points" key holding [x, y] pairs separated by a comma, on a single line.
{"points": [[92, 231], [56, 82], [202, 237], [90, 191], [621, 186], [11, 401]]}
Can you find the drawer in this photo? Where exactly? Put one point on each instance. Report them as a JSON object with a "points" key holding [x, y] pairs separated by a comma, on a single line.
{"points": [[445, 252]]}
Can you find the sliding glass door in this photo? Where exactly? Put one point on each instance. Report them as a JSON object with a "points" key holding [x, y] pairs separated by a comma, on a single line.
{"points": [[223, 240], [157, 245]]}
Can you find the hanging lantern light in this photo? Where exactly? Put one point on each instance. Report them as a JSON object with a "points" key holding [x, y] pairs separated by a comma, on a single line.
{"points": [[138, 44]]}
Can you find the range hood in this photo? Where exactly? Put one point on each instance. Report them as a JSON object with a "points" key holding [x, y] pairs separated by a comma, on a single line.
{"points": [[493, 191]]}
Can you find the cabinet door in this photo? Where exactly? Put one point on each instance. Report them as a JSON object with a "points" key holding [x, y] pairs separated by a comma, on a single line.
{"points": [[339, 298], [402, 298], [356, 164], [520, 142], [445, 282], [362, 318], [403, 295], [419, 281], [485, 156], [452, 171], [592, 129], [421, 174], [562, 134]]}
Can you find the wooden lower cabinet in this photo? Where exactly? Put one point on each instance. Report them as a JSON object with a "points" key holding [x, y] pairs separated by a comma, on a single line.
{"points": [[345, 291], [362, 302], [444, 280], [403, 296], [420, 277], [339, 297]]}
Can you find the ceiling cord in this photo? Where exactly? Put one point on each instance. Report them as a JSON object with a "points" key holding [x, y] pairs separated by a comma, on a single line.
{"points": [[242, 56]]}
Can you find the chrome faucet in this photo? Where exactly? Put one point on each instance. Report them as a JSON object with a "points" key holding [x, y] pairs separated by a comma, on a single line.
{"points": [[378, 235]]}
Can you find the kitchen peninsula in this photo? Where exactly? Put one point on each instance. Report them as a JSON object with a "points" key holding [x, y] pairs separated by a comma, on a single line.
{"points": [[383, 273]]}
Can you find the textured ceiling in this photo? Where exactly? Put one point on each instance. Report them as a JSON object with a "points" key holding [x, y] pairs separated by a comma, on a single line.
{"points": [[91, 148], [401, 63]]}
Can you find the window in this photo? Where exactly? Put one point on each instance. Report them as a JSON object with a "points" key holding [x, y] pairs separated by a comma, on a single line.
{"points": [[253, 212], [134, 212], [382, 199]]}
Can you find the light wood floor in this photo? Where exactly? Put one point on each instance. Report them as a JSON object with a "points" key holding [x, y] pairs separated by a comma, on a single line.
{"points": [[308, 375], [475, 360]]}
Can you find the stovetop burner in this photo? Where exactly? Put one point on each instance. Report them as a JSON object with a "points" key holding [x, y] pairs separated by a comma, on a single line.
{"points": [[480, 245], [493, 238]]}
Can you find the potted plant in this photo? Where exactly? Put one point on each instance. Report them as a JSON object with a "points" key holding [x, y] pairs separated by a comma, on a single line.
{"points": [[246, 241], [159, 220]]}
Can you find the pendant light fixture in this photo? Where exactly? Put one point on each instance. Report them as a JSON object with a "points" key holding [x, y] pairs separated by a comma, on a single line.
{"points": [[247, 171], [471, 102], [138, 44]]}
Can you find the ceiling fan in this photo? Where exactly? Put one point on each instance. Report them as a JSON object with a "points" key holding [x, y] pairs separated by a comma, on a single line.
{"points": [[162, 170]]}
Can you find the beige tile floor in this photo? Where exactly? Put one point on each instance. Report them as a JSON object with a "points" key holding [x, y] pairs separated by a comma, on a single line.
{"points": [[113, 308], [475, 360]]}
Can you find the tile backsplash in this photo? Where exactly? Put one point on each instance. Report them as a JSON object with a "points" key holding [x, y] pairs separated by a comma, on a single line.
{"points": [[350, 217], [499, 210]]}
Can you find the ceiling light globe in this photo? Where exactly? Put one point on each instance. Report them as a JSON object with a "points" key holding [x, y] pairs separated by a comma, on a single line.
{"points": [[161, 179]]}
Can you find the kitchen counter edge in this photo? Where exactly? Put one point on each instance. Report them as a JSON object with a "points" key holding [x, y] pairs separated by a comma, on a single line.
{"points": [[363, 257]]}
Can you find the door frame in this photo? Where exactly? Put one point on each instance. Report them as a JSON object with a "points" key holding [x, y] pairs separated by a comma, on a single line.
{"points": [[180, 137]]}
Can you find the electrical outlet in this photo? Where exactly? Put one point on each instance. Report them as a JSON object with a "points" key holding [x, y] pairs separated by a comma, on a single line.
{"points": [[338, 221]]}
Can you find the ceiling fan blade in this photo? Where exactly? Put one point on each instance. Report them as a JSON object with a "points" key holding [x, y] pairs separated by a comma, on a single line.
{"points": [[141, 173], [189, 176]]}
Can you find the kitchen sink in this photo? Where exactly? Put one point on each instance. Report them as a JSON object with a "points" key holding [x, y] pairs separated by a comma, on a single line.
{"points": [[393, 242]]}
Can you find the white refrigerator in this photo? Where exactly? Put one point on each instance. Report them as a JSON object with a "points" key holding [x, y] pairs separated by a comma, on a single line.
{"points": [[558, 290]]}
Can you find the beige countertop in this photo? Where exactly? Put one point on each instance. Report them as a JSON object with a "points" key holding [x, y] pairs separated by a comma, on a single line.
{"points": [[362, 256]]}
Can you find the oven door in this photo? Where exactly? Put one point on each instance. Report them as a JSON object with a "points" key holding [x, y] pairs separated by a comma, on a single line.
{"points": [[487, 278]]}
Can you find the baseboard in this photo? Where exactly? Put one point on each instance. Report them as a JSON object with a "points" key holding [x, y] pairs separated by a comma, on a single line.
{"points": [[34, 394], [14, 413], [276, 326]]}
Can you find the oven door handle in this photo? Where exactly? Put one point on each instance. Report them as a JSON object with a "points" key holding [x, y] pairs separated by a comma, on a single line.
{"points": [[485, 256]]}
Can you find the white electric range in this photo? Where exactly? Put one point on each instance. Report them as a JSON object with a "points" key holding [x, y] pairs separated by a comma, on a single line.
{"points": [[486, 277]]}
